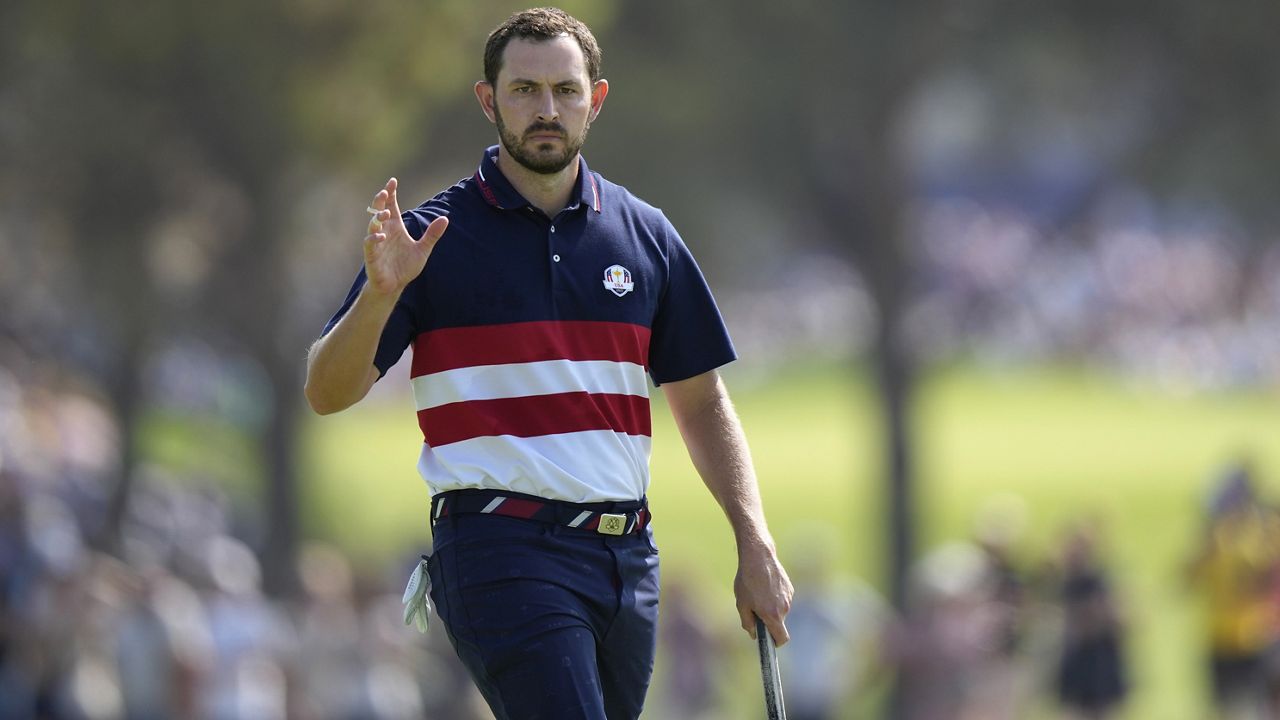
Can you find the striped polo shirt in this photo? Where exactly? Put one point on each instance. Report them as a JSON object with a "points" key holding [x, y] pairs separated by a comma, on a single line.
{"points": [[534, 338]]}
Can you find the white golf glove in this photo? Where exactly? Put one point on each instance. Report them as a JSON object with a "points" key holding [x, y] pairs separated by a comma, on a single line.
{"points": [[417, 608]]}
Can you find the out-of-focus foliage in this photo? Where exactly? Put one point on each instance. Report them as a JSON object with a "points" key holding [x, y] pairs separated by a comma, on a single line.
{"points": [[163, 163], [181, 187]]}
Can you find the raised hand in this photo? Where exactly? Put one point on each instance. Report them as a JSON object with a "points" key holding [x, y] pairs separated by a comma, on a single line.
{"points": [[392, 257]]}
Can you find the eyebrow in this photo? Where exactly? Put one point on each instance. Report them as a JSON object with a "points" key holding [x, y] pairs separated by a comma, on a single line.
{"points": [[526, 81]]}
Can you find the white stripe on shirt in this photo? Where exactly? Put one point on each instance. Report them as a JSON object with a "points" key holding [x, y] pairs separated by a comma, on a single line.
{"points": [[548, 377], [589, 466]]}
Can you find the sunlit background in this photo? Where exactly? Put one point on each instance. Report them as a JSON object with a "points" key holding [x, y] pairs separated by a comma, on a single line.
{"points": [[1005, 280]]}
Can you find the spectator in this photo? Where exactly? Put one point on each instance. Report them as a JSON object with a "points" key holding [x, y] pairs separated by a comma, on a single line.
{"points": [[1000, 686], [836, 625], [942, 647], [1235, 567], [1091, 678], [250, 636]]}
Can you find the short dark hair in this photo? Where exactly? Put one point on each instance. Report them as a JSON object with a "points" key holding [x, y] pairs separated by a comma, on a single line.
{"points": [[544, 23]]}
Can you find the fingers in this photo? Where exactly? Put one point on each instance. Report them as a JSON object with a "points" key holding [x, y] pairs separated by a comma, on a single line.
{"points": [[763, 589], [435, 230], [773, 621], [373, 239], [748, 619], [380, 199], [386, 195], [384, 206], [392, 203], [778, 629], [376, 209]]}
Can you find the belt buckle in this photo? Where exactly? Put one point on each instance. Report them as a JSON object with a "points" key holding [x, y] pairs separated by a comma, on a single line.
{"points": [[611, 524]]}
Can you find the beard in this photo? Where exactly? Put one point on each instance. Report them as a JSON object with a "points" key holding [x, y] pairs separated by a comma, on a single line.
{"points": [[541, 158]]}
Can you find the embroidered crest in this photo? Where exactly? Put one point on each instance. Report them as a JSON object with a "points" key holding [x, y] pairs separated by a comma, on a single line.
{"points": [[617, 280]]}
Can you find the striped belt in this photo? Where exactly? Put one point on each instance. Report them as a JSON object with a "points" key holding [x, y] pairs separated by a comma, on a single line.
{"points": [[606, 518]]}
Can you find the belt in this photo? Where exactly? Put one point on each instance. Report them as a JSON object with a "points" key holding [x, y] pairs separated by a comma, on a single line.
{"points": [[607, 518]]}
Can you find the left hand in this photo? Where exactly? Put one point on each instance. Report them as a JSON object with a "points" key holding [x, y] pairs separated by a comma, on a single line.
{"points": [[763, 589]]}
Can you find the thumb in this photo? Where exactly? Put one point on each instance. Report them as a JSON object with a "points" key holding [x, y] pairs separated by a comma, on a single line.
{"points": [[435, 230]]}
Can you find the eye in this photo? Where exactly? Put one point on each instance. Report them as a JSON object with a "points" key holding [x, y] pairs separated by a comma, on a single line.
{"points": [[567, 90], [523, 89]]}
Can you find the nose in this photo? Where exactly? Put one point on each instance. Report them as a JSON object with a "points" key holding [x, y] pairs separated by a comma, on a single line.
{"points": [[547, 111]]}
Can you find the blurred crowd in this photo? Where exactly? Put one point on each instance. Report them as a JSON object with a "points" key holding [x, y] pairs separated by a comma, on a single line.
{"points": [[987, 634], [1175, 298], [174, 623], [991, 633], [1185, 301]]}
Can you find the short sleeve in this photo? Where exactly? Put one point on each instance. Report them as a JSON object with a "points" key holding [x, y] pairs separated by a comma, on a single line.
{"points": [[688, 336], [396, 335], [402, 325]]}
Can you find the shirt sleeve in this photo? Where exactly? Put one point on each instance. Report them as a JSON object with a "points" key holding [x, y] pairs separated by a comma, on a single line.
{"points": [[688, 336], [395, 336], [402, 326]]}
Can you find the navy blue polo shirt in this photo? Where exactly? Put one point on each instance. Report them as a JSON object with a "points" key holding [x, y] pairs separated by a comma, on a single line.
{"points": [[533, 336]]}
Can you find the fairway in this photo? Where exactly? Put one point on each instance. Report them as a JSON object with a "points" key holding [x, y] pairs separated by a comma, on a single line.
{"points": [[1069, 443]]}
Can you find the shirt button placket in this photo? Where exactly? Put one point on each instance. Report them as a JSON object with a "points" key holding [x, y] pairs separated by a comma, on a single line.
{"points": [[554, 278]]}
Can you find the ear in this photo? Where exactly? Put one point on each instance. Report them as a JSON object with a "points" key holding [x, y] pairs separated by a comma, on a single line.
{"points": [[484, 93], [598, 92]]}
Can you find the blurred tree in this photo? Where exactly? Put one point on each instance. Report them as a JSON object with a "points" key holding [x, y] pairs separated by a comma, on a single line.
{"points": [[162, 148]]}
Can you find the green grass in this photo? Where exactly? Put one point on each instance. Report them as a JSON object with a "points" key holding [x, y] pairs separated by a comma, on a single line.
{"points": [[1068, 443]]}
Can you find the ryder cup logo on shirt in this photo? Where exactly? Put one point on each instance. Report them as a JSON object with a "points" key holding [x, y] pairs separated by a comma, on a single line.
{"points": [[617, 280]]}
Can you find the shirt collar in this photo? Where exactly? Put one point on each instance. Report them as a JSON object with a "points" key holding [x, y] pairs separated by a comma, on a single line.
{"points": [[499, 192]]}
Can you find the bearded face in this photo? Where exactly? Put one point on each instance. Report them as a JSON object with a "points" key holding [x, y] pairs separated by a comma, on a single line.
{"points": [[542, 147], [542, 101]]}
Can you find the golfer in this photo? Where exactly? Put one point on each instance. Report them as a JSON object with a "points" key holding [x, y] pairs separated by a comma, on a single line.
{"points": [[539, 299]]}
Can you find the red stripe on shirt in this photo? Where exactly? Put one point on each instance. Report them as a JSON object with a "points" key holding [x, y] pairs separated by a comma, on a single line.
{"points": [[535, 416], [452, 348]]}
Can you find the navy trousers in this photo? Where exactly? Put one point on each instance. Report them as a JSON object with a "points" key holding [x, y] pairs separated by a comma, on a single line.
{"points": [[553, 622]]}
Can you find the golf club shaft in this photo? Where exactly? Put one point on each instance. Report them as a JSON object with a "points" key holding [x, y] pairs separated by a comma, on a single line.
{"points": [[769, 672]]}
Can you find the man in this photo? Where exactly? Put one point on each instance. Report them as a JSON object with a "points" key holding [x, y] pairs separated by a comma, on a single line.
{"points": [[537, 296]]}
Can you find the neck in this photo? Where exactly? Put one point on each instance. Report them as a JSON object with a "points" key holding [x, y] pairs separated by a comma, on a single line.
{"points": [[548, 193]]}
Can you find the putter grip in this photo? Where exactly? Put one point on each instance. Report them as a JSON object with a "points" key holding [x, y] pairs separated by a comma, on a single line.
{"points": [[769, 673]]}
